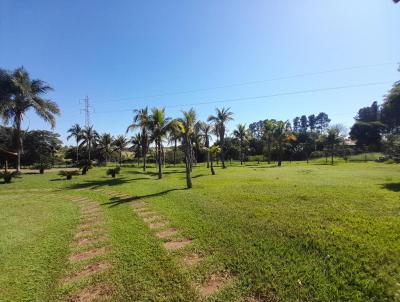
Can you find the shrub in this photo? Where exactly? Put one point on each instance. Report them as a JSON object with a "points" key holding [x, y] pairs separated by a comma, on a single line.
{"points": [[317, 154], [85, 165], [41, 167], [113, 171], [68, 174], [8, 176]]}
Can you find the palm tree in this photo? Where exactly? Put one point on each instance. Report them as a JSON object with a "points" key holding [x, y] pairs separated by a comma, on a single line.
{"points": [[105, 145], [21, 94], [174, 136], [214, 150], [268, 135], [89, 138], [186, 124], [205, 131], [136, 142], [220, 119], [241, 134], [141, 121], [159, 125], [281, 134], [120, 143], [75, 132]]}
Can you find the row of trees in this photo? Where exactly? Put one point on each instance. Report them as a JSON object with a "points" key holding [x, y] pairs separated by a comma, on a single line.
{"points": [[378, 125]]}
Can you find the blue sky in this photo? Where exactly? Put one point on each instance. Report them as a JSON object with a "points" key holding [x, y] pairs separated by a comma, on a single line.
{"points": [[128, 54]]}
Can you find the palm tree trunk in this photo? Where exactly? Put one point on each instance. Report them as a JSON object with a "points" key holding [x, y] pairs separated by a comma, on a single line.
{"points": [[212, 167], [269, 151], [188, 166], [241, 153], [175, 153], [208, 159], [19, 140], [120, 158], [77, 151], [159, 160], [280, 155], [89, 147], [223, 150]]}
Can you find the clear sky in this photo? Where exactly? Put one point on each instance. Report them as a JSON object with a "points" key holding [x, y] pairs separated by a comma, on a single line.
{"points": [[128, 54]]}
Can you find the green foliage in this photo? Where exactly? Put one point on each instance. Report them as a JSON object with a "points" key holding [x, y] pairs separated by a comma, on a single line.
{"points": [[68, 174], [8, 176], [113, 171]]}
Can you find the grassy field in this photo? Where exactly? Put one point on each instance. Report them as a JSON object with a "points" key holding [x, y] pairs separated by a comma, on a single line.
{"points": [[250, 233]]}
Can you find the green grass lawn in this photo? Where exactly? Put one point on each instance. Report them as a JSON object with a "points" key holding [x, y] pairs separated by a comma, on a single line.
{"points": [[296, 233]]}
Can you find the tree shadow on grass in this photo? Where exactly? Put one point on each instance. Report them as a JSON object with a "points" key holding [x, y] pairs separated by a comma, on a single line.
{"points": [[393, 186], [116, 201], [94, 184]]}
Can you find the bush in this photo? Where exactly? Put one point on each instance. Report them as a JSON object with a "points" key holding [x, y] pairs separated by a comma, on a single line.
{"points": [[113, 171], [85, 165], [8, 176], [41, 167], [317, 154], [68, 174]]}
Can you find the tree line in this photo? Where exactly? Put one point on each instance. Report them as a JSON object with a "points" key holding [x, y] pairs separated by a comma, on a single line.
{"points": [[160, 138]]}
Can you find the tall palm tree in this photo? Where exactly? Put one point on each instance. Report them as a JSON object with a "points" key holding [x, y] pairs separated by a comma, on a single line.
{"points": [[241, 134], [220, 120], [75, 132], [89, 138], [21, 94], [174, 136], [268, 136], [136, 142], [206, 130], [159, 126], [106, 145], [120, 143], [186, 125], [141, 121], [281, 134]]}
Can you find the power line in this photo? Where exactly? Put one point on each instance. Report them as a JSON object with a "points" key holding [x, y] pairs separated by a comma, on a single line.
{"points": [[260, 97], [250, 82]]}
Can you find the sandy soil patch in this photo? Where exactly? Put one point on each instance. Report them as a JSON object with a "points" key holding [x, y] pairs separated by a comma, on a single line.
{"points": [[98, 292], [88, 270], [167, 233], [192, 259], [213, 284], [157, 225], [177, 244], [90, 254], [87, 241]]}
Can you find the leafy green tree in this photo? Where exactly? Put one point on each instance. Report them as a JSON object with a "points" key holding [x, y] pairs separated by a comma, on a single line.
{"points": [[241, 134], [312, 120], [105, 146], [322, 122], [141, 121], [119, 144], [269, 126], [159, 126], [367, 133], [281, 134], [40, 147], [391, 109], [222, 117], [333, 138], [89, 138], [303, 123], [21, 94], [75, 132]]}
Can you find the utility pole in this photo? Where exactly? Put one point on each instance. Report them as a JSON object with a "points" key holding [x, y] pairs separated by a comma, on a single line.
{"points": [[86, 109]]}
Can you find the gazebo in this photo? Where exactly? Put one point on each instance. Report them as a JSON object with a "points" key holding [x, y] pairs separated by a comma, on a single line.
{"points": [[6, 156]]}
